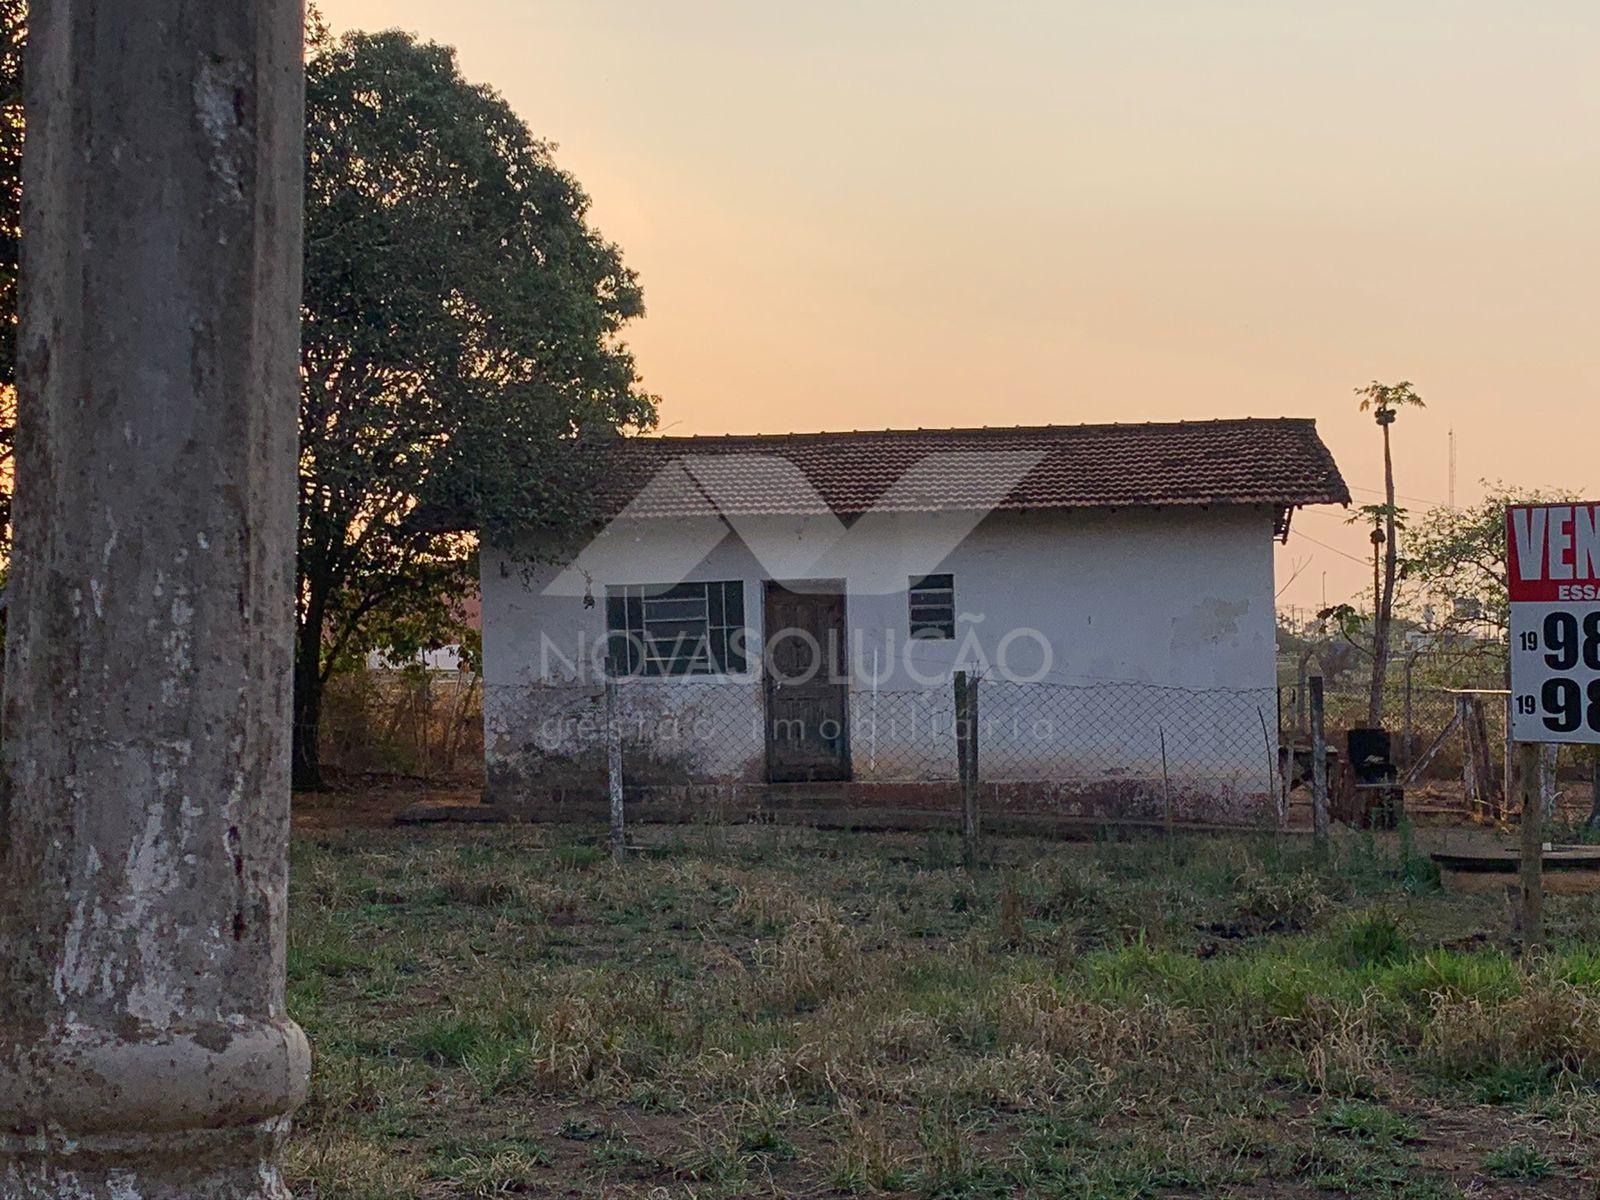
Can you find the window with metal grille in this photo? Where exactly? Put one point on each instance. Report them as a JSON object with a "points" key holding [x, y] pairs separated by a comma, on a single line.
{"points": [[685, 629], [933, 606]]}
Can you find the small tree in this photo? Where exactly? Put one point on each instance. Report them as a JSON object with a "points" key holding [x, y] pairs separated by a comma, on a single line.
{"points": [[1384, 401]]}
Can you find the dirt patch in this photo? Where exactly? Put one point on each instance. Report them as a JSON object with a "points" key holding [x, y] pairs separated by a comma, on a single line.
{"points": [[371, 801]]}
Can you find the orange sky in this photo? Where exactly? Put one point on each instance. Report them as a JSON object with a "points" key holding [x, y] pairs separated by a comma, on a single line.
{"points": [[865, 213]]}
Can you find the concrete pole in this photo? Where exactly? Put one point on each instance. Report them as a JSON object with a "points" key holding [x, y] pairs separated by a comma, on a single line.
{"points": [[144, 1048]]}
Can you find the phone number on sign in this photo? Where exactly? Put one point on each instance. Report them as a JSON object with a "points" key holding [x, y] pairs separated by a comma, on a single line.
{"points": [[1557, 672]]}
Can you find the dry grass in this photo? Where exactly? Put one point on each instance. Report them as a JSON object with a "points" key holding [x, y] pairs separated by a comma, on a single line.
{"points": [[778, 1012]]}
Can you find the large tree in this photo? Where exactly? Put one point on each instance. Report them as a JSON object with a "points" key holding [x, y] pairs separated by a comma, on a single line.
{"points": [[460, 348]]}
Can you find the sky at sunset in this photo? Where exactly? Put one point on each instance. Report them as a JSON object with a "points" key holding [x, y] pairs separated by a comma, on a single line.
{"points": [[895, 213]]}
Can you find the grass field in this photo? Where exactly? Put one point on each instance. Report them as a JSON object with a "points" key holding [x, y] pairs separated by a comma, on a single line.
{"points": [[766, 1011]]}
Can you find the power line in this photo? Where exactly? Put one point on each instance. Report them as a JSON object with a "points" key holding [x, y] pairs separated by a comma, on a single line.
{"points": [[1325, 546], [1400, 496]]}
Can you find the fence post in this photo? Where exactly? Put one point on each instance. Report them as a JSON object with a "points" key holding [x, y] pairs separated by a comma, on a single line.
{"points": [[1166, 783], [614, 762], [1300, 699], [1285, 779], [1469, 757], [1594, 789], [1406, 726], [966, 698], [1319, 765], [1532, 851], [1508, 763], [1274, 770]]}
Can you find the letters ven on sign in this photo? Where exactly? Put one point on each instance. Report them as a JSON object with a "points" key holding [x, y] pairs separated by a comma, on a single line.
{"points": [[1553, 573]]}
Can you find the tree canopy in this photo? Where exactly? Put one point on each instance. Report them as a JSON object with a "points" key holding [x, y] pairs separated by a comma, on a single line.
{"points": [[1458, 557], [461, 345]]}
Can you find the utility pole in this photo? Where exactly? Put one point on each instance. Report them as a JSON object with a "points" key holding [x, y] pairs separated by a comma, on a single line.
{"points": [[144, 1047]]}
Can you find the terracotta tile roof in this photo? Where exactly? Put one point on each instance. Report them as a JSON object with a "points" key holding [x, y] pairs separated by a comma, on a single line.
{"points": [[1280, 462]]}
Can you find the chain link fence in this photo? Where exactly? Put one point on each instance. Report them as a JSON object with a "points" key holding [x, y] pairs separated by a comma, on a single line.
{"points": [[1106, 750], [1114, 751]]}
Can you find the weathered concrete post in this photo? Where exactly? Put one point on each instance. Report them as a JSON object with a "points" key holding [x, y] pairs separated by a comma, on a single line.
{"points": [[619, 832], [144, 1049]]}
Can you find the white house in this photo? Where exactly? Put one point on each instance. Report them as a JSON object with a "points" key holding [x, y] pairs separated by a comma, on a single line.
{"points": [[793, 609]]}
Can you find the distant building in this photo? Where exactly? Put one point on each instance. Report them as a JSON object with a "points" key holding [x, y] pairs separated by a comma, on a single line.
{"points": [[446, 659], [792, 608]]}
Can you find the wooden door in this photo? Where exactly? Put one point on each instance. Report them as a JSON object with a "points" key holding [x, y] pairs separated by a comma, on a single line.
{"points": [[807, 684]]}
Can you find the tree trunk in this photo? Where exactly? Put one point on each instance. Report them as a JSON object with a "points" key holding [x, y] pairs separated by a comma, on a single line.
{"points": [[306, 758], [1383, 601]]}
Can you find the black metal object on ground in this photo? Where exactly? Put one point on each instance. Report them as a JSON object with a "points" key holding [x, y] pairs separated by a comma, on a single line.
{"points": [[1373, 798]]}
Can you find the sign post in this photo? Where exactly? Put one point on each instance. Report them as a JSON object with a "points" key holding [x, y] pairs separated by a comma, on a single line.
{"points": [[1553, 576]]}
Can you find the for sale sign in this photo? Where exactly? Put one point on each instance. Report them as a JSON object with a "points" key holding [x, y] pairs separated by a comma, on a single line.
{"points": [[1553, 568]]}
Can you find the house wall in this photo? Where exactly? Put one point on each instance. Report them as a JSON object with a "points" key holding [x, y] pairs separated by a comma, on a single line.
{"points": [[1100, 635]]}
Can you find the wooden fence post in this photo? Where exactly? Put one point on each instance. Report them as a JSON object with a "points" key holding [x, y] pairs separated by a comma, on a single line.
{"points": [[1300, 699], [1476, 787], [1280, 803], [1485, 791], [1407, 726], [1594, 789], [619, 846], [1166, 784], [1532, 851], [1508, 763], [966, 698], [1319, 765]]}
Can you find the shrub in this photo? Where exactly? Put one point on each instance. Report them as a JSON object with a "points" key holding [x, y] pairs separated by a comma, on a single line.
{"points": [[1265, 904], [1036, 1016], [1370, 939], [1550, 1030], [579, 856], [1010, 931], [818, 959], [451, 1041], [1371, 1124], [1517, 1161]]}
